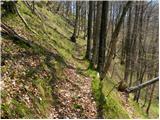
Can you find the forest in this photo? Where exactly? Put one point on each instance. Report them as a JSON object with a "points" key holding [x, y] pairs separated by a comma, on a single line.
{"points": [[79, 59]]}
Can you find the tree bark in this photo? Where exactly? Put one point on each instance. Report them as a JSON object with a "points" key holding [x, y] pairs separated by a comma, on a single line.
{"points": [[127, 47], [150, 99], [89, 32], [96, 33], [114, 39], [103, 35], [73, 38], [102, 46]]}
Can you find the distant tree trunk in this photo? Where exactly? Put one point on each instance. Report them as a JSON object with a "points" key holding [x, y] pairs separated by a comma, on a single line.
{"points": [[33, 6], [96, 35], [89, 32], [73, 38], [155, 72], [141, 65], [114, 39], [127, 47], [102, 39], [150, 99], [146, 96], [79, 18], [68, 9], [85, 23], [123, 48], [59, 6], [133, 43]]}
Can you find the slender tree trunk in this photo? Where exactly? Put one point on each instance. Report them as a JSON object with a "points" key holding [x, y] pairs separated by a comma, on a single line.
{"points": [[141, 67], [127, 47], [59, 6], [123, 48], [150, 99], [79, 20], [96, 35], [146, 96], [90, 22], [133, 43], [33, 6], [68, 11], [73, 38], [85, 26], [114, 39]]}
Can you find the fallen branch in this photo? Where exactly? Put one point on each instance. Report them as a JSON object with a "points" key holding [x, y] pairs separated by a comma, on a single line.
{"points": [[140, 86], [23, 20], [6, 30]]}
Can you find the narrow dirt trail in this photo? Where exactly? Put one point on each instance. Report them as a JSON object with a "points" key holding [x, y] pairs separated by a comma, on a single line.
{"points": [[74, 95], [74, 98]]}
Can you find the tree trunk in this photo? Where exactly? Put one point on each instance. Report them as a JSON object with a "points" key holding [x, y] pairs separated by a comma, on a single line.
{"points": [[133, 43], [68, 9], [127, 47], [146, 96], [103, 35], [96, 35], [114, 39], [89, 32], [33, 6], [150, 99], [73, 38]]}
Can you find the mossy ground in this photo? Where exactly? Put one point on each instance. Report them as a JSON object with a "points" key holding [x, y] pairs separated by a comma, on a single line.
{"points": [[54, 34]]}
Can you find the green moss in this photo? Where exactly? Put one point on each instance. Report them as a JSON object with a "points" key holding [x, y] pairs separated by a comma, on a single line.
{"points": [[138, 110], [16, 109], [77, 106], [113, 107]]}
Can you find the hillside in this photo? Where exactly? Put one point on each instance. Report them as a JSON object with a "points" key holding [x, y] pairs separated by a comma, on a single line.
{"points": [[49, 79]]}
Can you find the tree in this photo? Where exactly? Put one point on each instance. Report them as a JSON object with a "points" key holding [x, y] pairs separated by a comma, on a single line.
{"points": [[102, 45], [114, 39], [68, 8], [89, 32], [102, 38], [133, 43], [150, 98], [127, 47], [96, 35], [33, 6], [140, 68], [73, 38]]}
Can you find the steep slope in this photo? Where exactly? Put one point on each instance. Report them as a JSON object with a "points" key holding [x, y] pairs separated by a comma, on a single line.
{"points": [[39, 80], [46, 80]]}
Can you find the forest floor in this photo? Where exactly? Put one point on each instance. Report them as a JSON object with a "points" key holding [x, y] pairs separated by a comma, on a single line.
{"points": [[74, 97], [51, 79]]}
